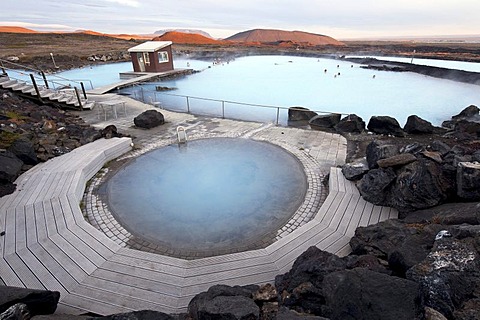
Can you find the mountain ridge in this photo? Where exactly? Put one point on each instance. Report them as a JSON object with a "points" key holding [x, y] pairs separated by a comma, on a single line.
{"points": [[193, 31], [276, 36], [187, 38]]}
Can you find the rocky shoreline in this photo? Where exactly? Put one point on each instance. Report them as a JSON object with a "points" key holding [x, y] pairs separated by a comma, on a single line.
{"points": [[436, 72], [31, 133]]}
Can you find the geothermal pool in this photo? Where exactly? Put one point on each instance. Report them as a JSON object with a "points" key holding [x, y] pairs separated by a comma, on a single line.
{"points": [[319, 84], [208, 195], [284, 81]]}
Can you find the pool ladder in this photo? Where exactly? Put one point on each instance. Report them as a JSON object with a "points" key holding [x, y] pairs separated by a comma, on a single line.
{"points": [[181, 135]]}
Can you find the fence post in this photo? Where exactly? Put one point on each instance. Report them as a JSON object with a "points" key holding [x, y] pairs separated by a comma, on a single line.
{"points": [[36, 87], [83, 90], [143, 95], [4, 73], [278, 114], [78, 98], [223, 109], [44, 79], [188, 105]]}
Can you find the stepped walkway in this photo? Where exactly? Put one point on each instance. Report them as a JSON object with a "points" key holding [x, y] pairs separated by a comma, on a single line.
{"points": [[70, 98], [48, 244]]}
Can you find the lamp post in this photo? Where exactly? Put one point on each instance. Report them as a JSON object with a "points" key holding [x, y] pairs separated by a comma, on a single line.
{"points": [[54, 64]]}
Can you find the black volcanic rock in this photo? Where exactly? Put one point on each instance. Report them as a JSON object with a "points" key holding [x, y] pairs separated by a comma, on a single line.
{"points": [[364, 294], [350, 124], [417, 125], [355, 170], [325, 120], [300, 113], [24, 149], [385, 125], [402, 245], [375, 185], [224, 302], [38, 301], [420, 184], [377, 151], [468, 112], [449, 275], [149, 119], [468, 181], [10, 166]]}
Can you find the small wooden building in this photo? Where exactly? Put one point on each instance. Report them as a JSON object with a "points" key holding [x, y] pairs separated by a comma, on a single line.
{"points": [[152, 56]]}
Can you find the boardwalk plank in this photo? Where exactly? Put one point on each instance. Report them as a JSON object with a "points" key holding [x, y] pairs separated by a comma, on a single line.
{"points": [[303, 243], [287, 243], [129, 282], [343, 212], [356, 217], [384, 214], [367, 212], [90, 303], [375, 215], [119, 294], [231, 275], [151, 272], [9, 276], [125, 255], [261, 278], [43, 275], [71, 271], [96, 239], [393, 214], [23, 272], [329, 214], [348, 215]]}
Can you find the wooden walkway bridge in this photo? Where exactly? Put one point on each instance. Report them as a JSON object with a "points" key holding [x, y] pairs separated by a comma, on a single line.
{"points": [[48, 244], [135, 78]]}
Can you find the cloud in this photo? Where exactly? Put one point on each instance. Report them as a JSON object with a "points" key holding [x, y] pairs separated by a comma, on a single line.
{"points": [[38, 26], [129, 3]]}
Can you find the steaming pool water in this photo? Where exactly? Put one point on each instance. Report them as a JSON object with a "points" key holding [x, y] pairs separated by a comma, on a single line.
{"points": [[209, 195], [318, 84], [284, 81]]}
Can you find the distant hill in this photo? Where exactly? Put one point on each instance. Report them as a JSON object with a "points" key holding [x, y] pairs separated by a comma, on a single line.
{"points": [[118, 36], [201, 32], [279, 36], [13, 29], [191, 38]]}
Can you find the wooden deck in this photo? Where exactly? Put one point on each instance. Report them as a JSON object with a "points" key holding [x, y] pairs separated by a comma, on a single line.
{"points": [[137, 78], [49, 245]]}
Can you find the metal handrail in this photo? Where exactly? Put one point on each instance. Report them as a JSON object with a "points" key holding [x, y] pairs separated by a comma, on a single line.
{"points": [[39, 87], [277, 108], [25, 68]]}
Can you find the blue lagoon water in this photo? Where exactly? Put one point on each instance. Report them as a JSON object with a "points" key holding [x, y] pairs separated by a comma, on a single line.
{"points": [[211, 194], [284, 81], [324, 85]]}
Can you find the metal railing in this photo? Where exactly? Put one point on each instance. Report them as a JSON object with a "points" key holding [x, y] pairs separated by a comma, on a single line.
{"points": [[38, 77], [216, 107], [51, 80]]}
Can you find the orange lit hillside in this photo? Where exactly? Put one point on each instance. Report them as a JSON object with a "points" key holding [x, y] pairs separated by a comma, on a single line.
{"points": [[279, 36], [13, 29], [190, 38]]}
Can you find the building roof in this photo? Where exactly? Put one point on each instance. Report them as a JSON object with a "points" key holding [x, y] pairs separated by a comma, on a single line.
{"points": [[150, 46]]}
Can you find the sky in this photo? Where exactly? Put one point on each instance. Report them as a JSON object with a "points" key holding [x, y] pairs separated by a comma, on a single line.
{"points": [[341, 19]]}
